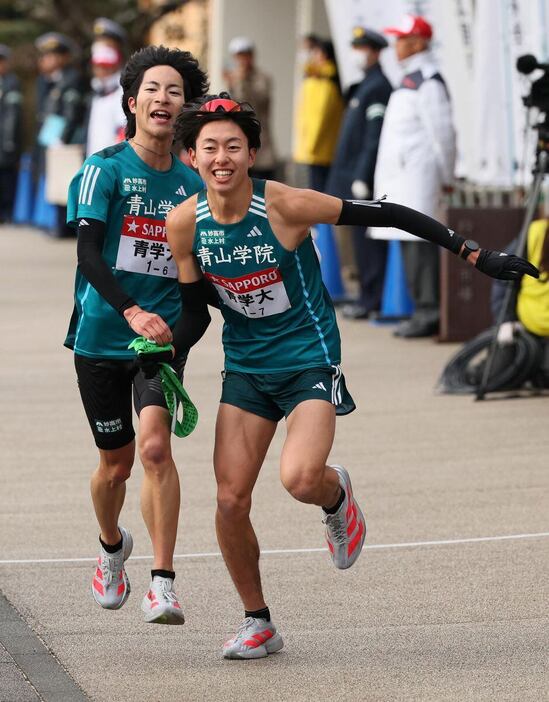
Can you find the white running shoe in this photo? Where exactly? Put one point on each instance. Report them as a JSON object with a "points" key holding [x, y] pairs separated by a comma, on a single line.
{"points": [[346, 529], [255, 638], [160, 604], [110, 584]]}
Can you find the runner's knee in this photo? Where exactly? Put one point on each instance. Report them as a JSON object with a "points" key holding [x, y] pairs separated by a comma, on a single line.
{"points": [[303, 485], [233, 505], [155, 453], [115, 473]]}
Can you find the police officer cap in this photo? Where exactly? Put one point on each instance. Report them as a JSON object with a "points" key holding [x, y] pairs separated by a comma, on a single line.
{"points": [[107, 28], [5, 51], [241, 45], [362, 36], [53, 42]]}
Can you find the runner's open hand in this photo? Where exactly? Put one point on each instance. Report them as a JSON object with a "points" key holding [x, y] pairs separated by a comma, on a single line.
{"points": [[504, 266]]}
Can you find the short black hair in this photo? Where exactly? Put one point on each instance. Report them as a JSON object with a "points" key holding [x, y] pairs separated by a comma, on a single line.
{"points": [[313, 39], [195, 80], [327, 49], [193, 118]]}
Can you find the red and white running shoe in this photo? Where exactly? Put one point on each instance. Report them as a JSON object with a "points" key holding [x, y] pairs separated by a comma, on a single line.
{"points": [[160, 604], [110, 584], [346, 529], [255, 638]]}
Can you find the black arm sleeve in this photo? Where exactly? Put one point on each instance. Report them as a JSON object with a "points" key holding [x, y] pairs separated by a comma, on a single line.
{"points": [[388, 214], [194, 318], [210, 293], [92, 265]]}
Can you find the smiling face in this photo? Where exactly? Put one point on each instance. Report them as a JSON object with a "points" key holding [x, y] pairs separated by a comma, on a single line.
{"points": [[158, 102], [222, 155]]}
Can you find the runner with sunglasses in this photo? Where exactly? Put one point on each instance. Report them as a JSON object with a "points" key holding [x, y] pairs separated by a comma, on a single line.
{"points": [[251, 240]]}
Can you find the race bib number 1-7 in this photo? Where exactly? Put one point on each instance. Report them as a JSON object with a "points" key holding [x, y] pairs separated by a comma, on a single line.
{"points": [[143, 248], [254, 295]]}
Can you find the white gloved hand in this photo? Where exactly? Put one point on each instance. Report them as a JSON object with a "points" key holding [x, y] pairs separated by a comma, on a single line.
{"points": [[506, 333], [360, 190]]}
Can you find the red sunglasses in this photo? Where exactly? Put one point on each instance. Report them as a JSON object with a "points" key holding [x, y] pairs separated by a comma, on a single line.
{"points": [[220, 105]]}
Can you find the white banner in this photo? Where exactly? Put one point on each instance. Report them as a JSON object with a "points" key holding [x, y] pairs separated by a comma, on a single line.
{"points": [[493, 141], [452, 46], [477, 51]]}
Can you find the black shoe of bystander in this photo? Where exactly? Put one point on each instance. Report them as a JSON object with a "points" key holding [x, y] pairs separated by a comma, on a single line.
{"points": [[354, 310], [415, 329]]}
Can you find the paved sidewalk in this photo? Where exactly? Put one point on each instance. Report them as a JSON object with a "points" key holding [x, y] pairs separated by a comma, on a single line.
{"points": [[447, 602]]}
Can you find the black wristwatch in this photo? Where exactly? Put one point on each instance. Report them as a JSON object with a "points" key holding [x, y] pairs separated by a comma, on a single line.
{"points": [[468, 247]]}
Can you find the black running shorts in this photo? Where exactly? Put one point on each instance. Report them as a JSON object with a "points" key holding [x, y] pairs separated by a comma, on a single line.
{"points": [[106, 387]]}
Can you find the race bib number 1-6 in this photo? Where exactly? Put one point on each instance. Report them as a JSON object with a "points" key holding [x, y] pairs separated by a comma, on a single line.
{"points": [[143, 248]]}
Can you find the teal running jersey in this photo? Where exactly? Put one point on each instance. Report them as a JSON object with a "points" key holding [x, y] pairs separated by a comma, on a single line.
{"points": [[278, 315], [116, 187]]}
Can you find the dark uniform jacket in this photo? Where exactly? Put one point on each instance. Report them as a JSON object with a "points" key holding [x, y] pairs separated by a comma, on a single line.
{"points": [[10, 120], [356, 151], [64, 97]]}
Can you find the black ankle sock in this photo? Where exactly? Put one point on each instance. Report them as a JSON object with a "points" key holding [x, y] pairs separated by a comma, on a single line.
{"points": [[334, 508], [259, 614], [162, 573], [110, 549]]}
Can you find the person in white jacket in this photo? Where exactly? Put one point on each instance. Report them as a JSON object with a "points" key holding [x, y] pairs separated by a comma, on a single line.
{"points": [[415, 163], [106, 119]]}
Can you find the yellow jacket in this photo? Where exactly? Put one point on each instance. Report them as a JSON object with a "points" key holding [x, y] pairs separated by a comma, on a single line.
{"points": [[533, 297], [318, 116]]}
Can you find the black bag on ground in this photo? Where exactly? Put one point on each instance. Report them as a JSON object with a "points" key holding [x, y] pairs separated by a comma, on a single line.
{"points": [[525, 359]]}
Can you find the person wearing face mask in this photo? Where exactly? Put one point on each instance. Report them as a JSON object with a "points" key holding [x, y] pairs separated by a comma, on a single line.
{"points": [[415, 163], [308, 43], [106, 119], [352, 172], [318, 115]]}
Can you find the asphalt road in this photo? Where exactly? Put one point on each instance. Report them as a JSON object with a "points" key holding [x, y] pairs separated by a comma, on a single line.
{"points": [[447, 602]]}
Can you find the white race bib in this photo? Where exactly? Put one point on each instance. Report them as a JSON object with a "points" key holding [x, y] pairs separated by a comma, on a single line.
{"points": [[254, 295], [143, 248]]}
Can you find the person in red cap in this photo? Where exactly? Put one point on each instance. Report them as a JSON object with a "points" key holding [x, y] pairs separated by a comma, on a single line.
{"points": [[415, 163]]}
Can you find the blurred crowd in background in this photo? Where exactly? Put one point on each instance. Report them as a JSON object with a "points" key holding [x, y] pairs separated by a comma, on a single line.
{"points": [[359, 143], [337, 135]]}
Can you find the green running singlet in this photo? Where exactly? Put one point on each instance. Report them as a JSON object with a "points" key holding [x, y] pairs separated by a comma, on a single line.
{"points": [[116, 187], [278, 315]]}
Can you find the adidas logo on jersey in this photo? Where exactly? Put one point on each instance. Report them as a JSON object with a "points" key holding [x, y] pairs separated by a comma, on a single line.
{"points": [[83, 223], [181, 191], [320, 386], [256, 231]]}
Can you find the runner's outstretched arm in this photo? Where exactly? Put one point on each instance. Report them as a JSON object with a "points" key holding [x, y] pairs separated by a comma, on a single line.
{"points": [[294, 210], [388, 214]]}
